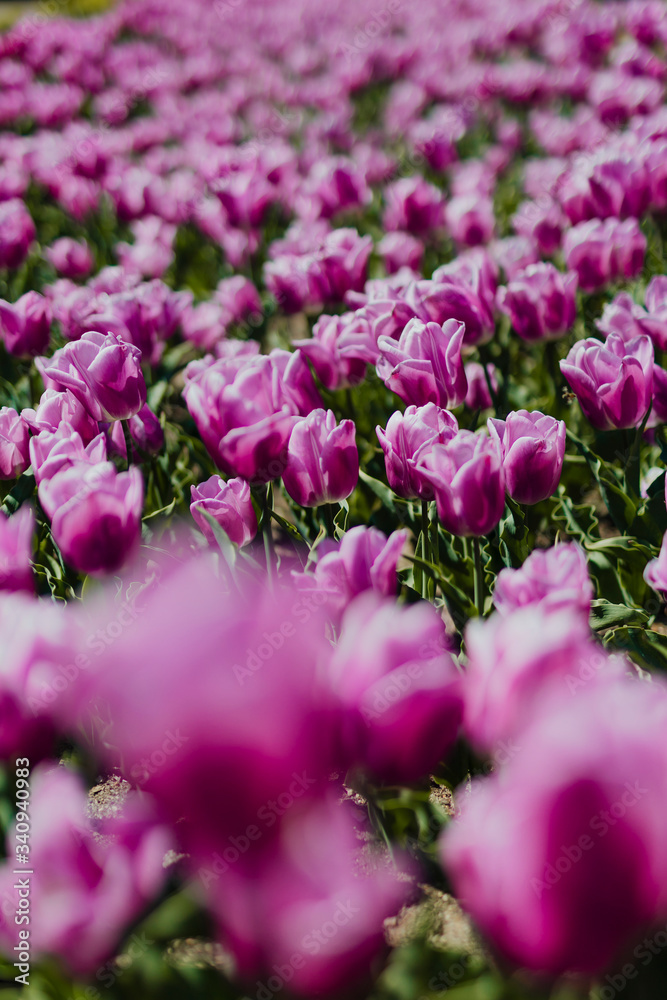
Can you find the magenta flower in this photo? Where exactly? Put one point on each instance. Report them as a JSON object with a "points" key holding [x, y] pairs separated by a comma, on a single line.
{"points": [[17, 231], [413, 206], [540, 302], [551, 579], [467, 476], [25, 325], [16, 551], [90, 881], [655, 572], [322, 460], [71, 258], [400, 250], [612, 381], [95, 515], [425, 365], [478, 396], [407, 438], [334, 368], [102, 371], [591, 875], [533, 449], [603, 252], [230, 504], [394, 674], [14, 444], [57, 407]]}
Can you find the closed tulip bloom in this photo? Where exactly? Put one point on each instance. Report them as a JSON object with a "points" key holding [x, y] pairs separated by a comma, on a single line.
{"points": [[469, 483], [102, 371], [478, 396], [394, 674], [425, 365], [602, 252], [560, 856], [14, 444], [17, 231], [406, 439], [56, 407], [533, 448], [540, 302], [550, 579], [25, 325], [655, 573], [322, 460], [16, 551], [230, 504], [70, 258], [612, 381], [96, 519], [51, 451]]}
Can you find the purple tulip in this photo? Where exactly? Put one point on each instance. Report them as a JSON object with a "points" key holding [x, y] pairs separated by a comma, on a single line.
{"points": [[655, 572], [533, 448], [624, 317], [586, 779], [469, 483], [322, 460], [230, 504], [91, 879], [16, 551], [394, 674], [400, 250], [551, 579], [413, 206], [425, 365], [17, 231], [96, 515], [239, 298], [365, 559], [612, 381], [334, 369], [102, 371], [407, 438], [14, 444], [25, 325], [470, 220], [603, 252], [540, 302], [245, 413], [70, 258], [146, 435], [57, 407], [51, 451]]}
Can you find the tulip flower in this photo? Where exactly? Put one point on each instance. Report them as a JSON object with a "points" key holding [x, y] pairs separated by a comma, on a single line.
{"points": [[25, 325], [57, 407], [70, 258], [533, 449], [14, 444], [16, 551], [467, 476], [655, 572], [407, 438], [230, 504], [602, 252], [17, 231], [51, 451], [478, 396], [550, 579], [425, 365], [540, 301], [394, 674], [612, 381], [96, 515], [560, 857], [102, 371], [322, 460]]}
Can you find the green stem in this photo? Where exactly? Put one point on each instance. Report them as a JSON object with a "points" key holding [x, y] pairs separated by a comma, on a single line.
{"points": [[425, 549], [633, 468], [328, 511], [125, 424], [553, 367], [479, 577], [267, 507]]}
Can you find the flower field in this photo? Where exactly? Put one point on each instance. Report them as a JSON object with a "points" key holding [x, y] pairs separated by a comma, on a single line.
{"points": [[333, 530]]}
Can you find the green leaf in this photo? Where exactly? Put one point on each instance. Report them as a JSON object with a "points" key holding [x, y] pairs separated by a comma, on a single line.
{"points": [[606, 615], [163, 511], [383, 493], [649, 647]]}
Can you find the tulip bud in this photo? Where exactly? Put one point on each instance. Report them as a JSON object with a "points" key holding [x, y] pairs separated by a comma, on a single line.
{"points": [[25, 325], [533, 448], [407, 438], [612, 381], [322, 460], [14, 444], [16, 550], [17, 231], [540, 302], [425, 365], [230, 504]]}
